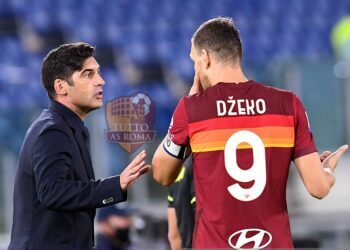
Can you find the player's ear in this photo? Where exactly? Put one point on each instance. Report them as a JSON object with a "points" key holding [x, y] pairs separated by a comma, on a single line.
{"points": [[60, 87], [205, 58]]}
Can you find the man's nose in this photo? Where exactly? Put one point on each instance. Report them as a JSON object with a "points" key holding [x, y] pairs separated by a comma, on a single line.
{"points": [[100, 81]]}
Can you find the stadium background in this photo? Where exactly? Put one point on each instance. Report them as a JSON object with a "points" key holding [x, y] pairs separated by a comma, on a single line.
{"points": [[143, 45]]}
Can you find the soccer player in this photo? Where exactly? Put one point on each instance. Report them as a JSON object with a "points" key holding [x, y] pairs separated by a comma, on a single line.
{"points": [[243, 136], [181, 208]]}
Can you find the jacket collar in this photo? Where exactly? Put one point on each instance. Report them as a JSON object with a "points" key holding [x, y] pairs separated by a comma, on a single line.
{"points": [[70, 117], [74, 121]]}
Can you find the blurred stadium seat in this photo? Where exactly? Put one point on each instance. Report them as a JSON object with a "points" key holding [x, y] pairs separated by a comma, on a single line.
{"points": [[154, 30]]}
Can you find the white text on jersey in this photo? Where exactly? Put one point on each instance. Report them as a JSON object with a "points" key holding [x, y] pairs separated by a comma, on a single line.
{"points": [[232, 107]]}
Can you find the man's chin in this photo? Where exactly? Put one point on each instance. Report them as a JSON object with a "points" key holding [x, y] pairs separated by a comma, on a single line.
{"points": [[98, 104]]}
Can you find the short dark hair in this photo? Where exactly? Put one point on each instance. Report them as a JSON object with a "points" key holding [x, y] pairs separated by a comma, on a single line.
{"points": [[62, 62], [221, 37]]}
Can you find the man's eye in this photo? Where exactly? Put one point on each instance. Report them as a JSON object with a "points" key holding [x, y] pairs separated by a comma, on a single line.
{"points": [[89, 74]]}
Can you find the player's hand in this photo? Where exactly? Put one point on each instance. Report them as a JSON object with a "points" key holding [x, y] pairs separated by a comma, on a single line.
{"points": [[196, 86], [136, 168], [331, 159], [324, 155]]}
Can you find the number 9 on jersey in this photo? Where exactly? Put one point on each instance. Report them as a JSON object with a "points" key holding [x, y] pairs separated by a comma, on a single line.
{"points": [[256, 173]]}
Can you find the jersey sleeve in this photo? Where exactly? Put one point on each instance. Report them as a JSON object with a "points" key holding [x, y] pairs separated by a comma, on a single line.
{"points": [[178, 129], [177, 139], [304, 143]]}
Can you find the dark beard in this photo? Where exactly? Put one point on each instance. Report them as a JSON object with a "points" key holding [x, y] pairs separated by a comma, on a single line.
{"points": [[205, 82], [87, 110]]}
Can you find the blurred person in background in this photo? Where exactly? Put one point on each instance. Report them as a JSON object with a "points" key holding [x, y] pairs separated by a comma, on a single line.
{"points": [[56, 193], [340, 39], [114, 224], [181, 208], [243, 136]]}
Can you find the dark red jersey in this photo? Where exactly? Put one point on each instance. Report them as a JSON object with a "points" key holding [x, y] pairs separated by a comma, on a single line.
{"points": [[243, 138]]}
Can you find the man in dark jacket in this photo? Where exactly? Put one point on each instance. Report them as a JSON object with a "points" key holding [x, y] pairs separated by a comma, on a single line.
{"points": [[56, 193], [114, 223]]}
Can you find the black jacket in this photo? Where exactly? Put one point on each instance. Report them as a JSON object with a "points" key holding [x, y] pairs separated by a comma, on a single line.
{"points": [[55, 192]]}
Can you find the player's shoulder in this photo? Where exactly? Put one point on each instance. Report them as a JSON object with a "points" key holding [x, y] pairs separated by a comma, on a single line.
{"points": [[274, 90], [275, 94]]}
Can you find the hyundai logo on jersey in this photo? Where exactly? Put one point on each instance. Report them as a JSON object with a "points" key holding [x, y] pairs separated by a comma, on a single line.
{"points": [[251, 238]]}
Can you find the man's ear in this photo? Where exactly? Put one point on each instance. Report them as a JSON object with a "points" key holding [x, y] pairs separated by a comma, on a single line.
{"points": [[205, 58], [60, 87]]}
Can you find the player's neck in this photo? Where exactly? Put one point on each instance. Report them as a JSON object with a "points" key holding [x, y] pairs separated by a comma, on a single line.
{"points": [[228, 74]]}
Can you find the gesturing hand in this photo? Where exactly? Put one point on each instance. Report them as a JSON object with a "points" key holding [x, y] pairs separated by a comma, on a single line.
{"points": [[136, 168], [330, 160], [324, 155]]}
